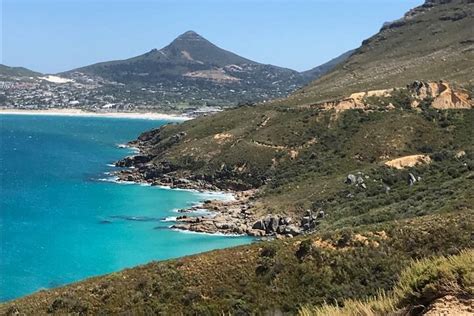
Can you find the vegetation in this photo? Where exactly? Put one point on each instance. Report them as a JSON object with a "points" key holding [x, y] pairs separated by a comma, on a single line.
{"points": [[419, 285], [283, 275], [327, 150]]}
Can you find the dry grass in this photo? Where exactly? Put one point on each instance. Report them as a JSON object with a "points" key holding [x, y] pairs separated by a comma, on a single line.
{"points": [[420, 284]]}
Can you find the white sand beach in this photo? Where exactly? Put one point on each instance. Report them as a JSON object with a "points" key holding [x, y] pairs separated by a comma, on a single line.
{"points": [[78, 112]]}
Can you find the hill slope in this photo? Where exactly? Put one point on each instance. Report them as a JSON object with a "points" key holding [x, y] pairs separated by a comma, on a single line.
{"points": [[323, 69], [431, 42], [7, 71]]}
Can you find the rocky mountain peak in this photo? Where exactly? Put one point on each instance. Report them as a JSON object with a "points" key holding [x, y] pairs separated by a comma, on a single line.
{"points": [[190, 36]]}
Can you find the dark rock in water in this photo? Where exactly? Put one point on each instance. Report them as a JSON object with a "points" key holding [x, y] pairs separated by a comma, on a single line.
{"points": [[105, 221], [137, 218], [160, 227], [133, 160]]}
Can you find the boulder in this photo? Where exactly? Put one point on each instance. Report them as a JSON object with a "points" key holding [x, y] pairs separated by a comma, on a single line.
{"points": [[350, 179], [285, 220], [281, 229], [306, 220], [271, 224], [255, 232], [292, 230], [259, 225]]}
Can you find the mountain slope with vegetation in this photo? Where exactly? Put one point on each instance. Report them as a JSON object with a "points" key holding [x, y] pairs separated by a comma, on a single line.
{"points": [[323, 69], [389, 174], [195, 69], [7, 71], [431, 42]]}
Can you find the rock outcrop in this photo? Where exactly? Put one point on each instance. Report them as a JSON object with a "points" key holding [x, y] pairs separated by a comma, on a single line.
{"points": [[442, 95]]}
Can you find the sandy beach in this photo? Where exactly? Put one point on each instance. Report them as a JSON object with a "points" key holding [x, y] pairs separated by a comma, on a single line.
{"points": [[78, 112]]}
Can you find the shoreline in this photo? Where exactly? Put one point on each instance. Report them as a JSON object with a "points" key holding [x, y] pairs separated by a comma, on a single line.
{"points": [[82, 113], [234, 217]]}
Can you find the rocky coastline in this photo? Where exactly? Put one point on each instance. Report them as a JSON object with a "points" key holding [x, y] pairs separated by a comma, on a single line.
{"points": [[234, 217]]}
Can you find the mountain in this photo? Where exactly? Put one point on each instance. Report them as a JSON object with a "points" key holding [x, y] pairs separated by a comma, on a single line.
{"points": [[189, 75], [365, 175], [323, 69], [7, 71], [441, 46], [192, 68]]}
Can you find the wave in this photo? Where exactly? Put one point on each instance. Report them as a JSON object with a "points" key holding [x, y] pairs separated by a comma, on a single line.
{"points": [[134, 150], [169, 219], [116, 180]]}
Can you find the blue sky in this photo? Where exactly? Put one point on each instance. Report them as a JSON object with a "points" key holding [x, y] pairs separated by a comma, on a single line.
{"points": [[58, 35]]}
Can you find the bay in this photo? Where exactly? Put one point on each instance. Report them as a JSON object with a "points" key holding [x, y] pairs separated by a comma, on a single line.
{"points": [[60, 223]]}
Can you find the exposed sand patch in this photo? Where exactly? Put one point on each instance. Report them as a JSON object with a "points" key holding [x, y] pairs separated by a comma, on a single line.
{"points": [[408, 161], [441, 94], [56, 79], [451, 305], [223, 137], [213, 74], [293, 154], [444, 97]]}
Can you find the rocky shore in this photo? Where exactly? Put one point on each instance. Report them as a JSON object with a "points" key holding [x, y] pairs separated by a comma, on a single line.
{"points": [[236, 217]]}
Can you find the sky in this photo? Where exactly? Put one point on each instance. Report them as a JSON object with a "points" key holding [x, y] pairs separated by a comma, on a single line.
{"points": [[51, 36]]}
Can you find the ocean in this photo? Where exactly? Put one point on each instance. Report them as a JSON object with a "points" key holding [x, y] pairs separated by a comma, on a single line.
{"points": [[62, 220]]}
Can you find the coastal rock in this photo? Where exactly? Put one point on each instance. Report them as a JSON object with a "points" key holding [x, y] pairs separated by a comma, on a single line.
{"points": [[292, 230], [259, 225], [285, 220], [305, 220], [271, 224], [133, 160]]}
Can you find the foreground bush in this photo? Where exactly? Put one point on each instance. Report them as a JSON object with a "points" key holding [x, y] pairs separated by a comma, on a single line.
{"points": [[419, 285]]}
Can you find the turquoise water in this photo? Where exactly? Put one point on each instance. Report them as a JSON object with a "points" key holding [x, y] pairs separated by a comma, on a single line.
{"points": [[60, 224]]}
